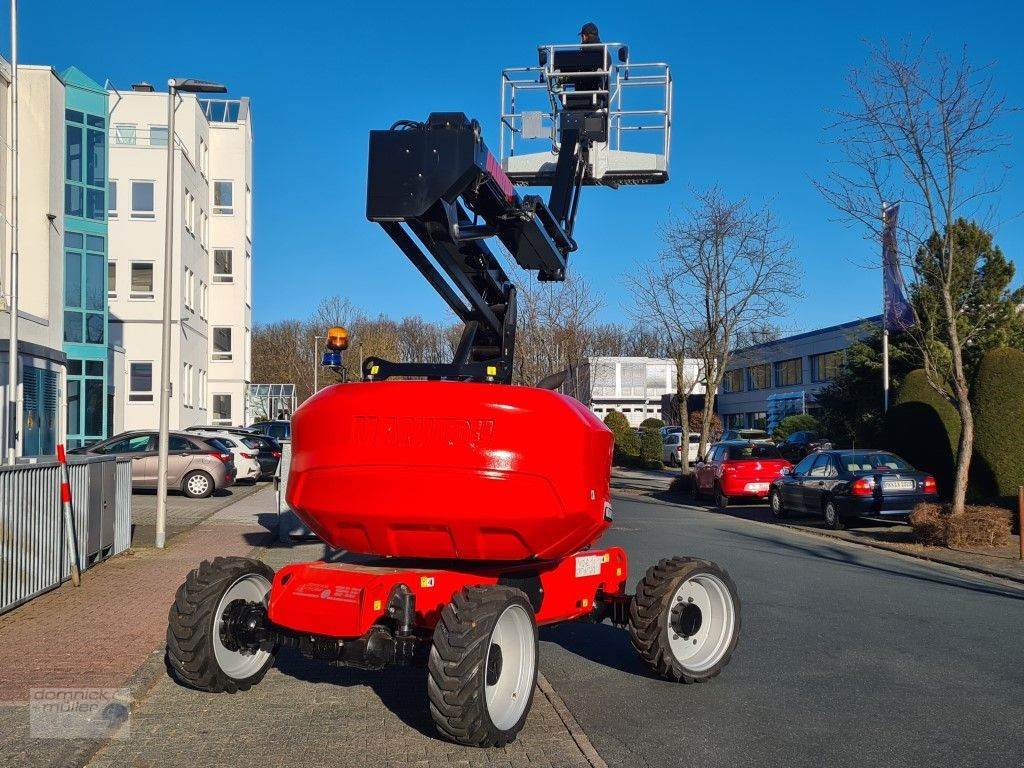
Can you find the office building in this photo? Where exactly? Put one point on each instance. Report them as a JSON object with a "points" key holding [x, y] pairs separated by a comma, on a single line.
{"points": [[211, 291]]}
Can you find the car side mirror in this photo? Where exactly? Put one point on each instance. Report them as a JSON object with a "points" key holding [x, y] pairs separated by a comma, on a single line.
{"points": [[786, 471]]}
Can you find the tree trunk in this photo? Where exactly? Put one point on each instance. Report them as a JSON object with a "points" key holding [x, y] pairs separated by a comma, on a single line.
{"points": [[682, 393], [961, 390]]}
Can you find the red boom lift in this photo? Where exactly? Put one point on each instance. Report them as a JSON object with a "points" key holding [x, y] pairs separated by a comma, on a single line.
{"points": [[478, 501]]}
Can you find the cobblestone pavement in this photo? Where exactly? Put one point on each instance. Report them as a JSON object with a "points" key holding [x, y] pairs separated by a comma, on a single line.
{"points": [[182, 512], [98, 635], [303, 713]]}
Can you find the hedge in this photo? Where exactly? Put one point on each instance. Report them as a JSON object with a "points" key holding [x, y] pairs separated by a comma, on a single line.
{"points": [[998, 404], [797, 422], [924, 429], [652, 423]]}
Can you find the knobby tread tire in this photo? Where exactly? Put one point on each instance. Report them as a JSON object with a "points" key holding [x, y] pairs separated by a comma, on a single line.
{"points": [[456, 668], [190, 656], [649, 614]]}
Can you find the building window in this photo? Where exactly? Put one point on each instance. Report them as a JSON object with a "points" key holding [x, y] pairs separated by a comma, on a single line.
{"points": [[186, 385], [142, 200], [111, 279], [789, 372], [112, 199], [222, 266], [204, 159], [188, 289], [223, 198], [158, 135], [733, 381], [204, 229], [202, 389], [248, 213], [222, 343], [826, 366], [759, 420], [124, 134], [140, 382], [85, 288], [85, 165], [142, 280], [221, 409], [759, 377]]}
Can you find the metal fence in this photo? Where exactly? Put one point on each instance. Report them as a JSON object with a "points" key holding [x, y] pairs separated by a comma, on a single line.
{"points": [[33, 554]]}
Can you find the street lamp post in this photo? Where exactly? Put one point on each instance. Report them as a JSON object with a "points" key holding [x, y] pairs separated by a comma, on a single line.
{"points": [[174, 87]]}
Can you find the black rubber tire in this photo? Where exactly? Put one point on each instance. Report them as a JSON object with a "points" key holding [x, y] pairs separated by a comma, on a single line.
{"points": [[190, 658], [721, 500], [210, 487], [456, 681], [649, 615], [778, 509], [833, 522]]}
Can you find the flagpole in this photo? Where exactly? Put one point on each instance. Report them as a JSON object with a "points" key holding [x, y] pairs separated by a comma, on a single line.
{"points": [[885, 324]]}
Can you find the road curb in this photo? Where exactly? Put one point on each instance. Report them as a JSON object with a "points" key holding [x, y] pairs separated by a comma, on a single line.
{"points": [[824, 534], [570, 723]]}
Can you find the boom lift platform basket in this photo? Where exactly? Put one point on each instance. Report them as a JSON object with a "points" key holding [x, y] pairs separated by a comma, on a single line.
{"points": [[470, 526]]}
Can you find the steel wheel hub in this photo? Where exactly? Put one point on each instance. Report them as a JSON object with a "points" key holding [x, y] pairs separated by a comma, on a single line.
{"points": [[509, 667]]}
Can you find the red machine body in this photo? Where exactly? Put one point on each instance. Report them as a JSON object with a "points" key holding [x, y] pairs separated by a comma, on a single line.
{"points": [[345, 600], [450, 470]]}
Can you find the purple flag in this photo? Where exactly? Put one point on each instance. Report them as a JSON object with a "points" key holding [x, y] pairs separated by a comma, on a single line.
{"points": [[896, 310]]}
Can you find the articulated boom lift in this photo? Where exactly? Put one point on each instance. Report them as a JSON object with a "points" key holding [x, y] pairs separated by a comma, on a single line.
{"points": [[476, 505]]}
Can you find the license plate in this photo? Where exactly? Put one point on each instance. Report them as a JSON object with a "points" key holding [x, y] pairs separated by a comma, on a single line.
{"points": [[757, 487], [588, 565], [898, 485]]}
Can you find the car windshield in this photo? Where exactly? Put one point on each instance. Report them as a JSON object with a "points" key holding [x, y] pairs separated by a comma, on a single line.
{"points": [[874, 461], [753, 451], [220, 443], [252, 442]]}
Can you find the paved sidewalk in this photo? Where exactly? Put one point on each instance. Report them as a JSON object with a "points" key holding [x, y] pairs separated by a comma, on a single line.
{"points": [[100, 634], [303, 713], [182, 512], [892, 536]]}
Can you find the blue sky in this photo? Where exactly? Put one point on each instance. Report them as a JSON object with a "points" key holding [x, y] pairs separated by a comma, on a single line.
{"points": [[752, 85]]}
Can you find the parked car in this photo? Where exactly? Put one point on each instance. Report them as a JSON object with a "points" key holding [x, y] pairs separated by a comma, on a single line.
{"points": [[196, 465], [746, 435], [217, 428], [801, 443], [672, 448], [247, 465], [278, 429], [268, 453], [738, 469], [839, 485]]}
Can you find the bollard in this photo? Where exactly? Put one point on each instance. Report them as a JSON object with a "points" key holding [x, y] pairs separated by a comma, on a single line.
{"points": [[1020, 519], [69, 518]]}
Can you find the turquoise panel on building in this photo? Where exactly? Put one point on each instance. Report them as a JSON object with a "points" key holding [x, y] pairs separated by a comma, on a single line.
{"points": [[85, 259]]}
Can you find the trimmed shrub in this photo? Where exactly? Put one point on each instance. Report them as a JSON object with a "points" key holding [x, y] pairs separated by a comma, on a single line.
{"points": [[650, 448], [627, 441], [924, 429], [978, 526], [797, 422], [652, 423], [998, 465]]}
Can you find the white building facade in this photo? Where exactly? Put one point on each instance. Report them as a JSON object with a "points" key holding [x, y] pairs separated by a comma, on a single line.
{"points": [[41, 399], [634, 386], [211, 293]]}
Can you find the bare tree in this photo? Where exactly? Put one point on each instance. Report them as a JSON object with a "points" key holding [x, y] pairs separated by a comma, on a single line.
{"points": [[724, 270], [921, 130]]}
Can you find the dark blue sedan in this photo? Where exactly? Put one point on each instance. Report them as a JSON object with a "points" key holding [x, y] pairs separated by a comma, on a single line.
{"points": [[840, 485]]}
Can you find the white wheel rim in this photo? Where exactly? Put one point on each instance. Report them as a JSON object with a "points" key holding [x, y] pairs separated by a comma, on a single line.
{"points": [[239, 665], [776, 505], [508, 696], [708, 594], [198, 484], [830, 513]]}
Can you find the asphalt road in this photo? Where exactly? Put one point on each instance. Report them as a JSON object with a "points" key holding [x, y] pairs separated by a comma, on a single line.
{"points": [[848, 657]]}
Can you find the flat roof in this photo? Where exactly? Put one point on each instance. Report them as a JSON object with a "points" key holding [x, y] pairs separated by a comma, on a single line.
{"points": [[874, 319]]}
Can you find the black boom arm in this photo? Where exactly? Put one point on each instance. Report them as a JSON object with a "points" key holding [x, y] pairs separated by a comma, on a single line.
{"points": [[439, 193]]}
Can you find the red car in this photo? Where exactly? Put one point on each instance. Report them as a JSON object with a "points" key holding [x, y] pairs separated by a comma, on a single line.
{"points": [[738, 469]]}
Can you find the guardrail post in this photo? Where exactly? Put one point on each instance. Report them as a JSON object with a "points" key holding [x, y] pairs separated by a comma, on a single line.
{"points": [[69, 518]]}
